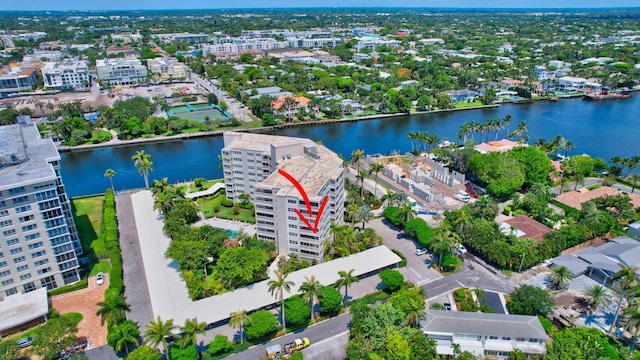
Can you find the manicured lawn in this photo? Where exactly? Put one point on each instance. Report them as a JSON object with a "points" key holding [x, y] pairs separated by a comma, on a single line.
{"points": [[468, 105], [102, 266], [207, 206], [87, 213], [207, 184]]}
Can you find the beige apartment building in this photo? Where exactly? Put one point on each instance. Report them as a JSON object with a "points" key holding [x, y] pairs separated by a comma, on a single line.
{"points": [[38, 238], [252, 164], [162, 69]]}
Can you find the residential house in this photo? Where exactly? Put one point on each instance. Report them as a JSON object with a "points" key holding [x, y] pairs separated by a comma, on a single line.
{"points": [[503, 145], [634, 229], [492, 336], [570, 83], [280, 107], [524, 227], [575, 199], [461, 96]]}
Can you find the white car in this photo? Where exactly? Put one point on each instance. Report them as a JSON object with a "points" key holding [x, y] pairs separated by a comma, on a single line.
{"points": [[461, 249], [420, 252], [100, 279]]}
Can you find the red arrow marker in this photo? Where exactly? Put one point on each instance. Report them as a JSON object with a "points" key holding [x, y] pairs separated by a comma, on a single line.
{"points": [[302, 192]]}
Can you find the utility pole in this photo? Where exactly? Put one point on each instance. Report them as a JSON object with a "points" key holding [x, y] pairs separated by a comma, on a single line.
{"points": [[521, 262]]}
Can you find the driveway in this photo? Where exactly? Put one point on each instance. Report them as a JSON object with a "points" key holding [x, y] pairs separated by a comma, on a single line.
{"points": [[85, 302], [135, 280], [418, 269]]}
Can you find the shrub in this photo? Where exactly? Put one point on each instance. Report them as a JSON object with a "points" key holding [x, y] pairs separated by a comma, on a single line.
{"points": [[460, 295], [392, 279], [297, 356], [420, 230], [82, 284], [236, 209], [226, 203], [220, 345], [402, 263], [263, 323], [546, 324], [330, 301], [297, 312]]}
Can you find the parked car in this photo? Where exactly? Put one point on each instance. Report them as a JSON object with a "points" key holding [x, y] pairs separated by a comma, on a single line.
{"points": [[461, 249], [24, 342], [401, 235], [100, 279], [420, 252], [447, 307]]}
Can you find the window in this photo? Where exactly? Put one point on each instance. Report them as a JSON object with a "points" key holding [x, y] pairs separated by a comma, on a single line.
{"points": [[38, 254], [41, 262], [14, 251], [35, 245], [2, 203], [26, 218], [11, 291], [49, 282], [9, 232], [12, 242], [32, 236], [22, 268], [6, 223], [5, 273], [19, 259], [29, 227], [1, 254], [44, 270], [4, 213], [29, 287], [7, 282], [17, 190], [20, 200], [25, 277], [3, 264], [22, 209]]}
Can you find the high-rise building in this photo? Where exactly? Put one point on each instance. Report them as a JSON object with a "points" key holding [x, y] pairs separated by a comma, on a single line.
{"points": [[39, 243], [252, 165]]}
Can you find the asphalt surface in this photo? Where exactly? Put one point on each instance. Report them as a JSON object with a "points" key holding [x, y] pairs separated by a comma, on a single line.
{"points": [[316, 333], [493, 302], [135, 282]]}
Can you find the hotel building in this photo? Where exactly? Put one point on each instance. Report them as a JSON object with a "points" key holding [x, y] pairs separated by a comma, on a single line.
{"points": [[252, 164], [67, 75], [38, 238]]}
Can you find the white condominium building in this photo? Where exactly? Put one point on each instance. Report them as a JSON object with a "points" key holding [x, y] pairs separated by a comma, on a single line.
{"points": [[121, 71], [252, 165], [67, 75], [39, 241]]}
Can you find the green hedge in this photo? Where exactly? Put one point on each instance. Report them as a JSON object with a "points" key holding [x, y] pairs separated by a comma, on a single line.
{"points": [[569, 211], [82, 284], [110, 238], [402, 263], [226, 203], [419, 230]]}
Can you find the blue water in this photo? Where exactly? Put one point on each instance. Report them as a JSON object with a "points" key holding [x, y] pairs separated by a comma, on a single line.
{"points": [[602, 129]]}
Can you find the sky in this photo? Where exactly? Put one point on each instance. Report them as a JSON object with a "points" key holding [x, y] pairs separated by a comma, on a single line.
{"points": [[66, 5]]}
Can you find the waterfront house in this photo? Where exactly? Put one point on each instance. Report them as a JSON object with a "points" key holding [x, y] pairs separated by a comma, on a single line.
{"points": [[280, 108], [461, 96], [486, 335], [575, 199]]}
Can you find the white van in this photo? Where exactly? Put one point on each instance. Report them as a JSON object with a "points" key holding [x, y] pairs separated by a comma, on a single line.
{"points": [[462, 196]]}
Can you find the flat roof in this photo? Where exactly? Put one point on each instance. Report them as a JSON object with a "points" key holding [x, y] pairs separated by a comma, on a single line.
{"points": [[15, 167], [459, 322], [168, 292], [20, 308]]}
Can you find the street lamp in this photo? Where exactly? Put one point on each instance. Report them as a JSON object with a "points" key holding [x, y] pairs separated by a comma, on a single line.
{"points": [[521, 262]]}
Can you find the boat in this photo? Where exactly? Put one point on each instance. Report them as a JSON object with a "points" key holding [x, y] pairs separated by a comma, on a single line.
{"points": [[606, 95]]}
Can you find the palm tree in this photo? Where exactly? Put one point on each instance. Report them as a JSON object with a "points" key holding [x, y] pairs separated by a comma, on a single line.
{"points": [[406, 212], [353, 210], [159, 186], [142, 161], [414, 311], [361, 176], [158, 332], [596, 296], [123, 335], [110, 173], [363, 214], [376, 168], [627, 278], [346, 279], [311, 289], [560, 276], [113, 309], [633, 321], [356, 155], [634, 179], [277, 287], [190, 331], [239, 319], [443, 241]]}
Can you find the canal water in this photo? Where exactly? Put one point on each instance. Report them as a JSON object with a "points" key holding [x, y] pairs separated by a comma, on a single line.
{"points": [[602, 129]]}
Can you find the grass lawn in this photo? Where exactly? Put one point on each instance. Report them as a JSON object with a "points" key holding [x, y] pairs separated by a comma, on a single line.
{"points": [[101, 266], [468, 105], [87, 214], [207, 206], [207, 184]]}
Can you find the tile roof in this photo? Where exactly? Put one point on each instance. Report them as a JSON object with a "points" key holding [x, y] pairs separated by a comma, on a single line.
{"points": [[575, 199], [531, 228]]}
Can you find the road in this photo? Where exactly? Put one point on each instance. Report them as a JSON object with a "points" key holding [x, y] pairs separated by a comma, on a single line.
{"points": [[234, 107], [316, 333]]}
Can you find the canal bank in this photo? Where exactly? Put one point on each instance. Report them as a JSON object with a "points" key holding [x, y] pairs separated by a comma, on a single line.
{"points": [[261, 129]]}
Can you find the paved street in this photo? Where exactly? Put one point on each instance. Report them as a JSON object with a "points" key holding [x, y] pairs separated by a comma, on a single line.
{"points": [[315, 333]]}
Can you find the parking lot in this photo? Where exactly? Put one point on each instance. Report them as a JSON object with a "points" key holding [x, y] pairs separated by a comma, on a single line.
{"points": [[418, 269]]}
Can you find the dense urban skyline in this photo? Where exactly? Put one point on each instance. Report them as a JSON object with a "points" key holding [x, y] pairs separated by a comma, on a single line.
{"points": [[69, 5]]}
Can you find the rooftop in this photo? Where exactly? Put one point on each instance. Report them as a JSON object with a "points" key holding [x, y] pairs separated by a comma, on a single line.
{"points": [[458, 322], [531, 228], [503, 145], [575, 199], [15, 168], [20, 308]]}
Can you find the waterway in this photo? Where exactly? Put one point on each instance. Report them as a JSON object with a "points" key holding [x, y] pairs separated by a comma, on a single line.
{"points": [[601, 128]]}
